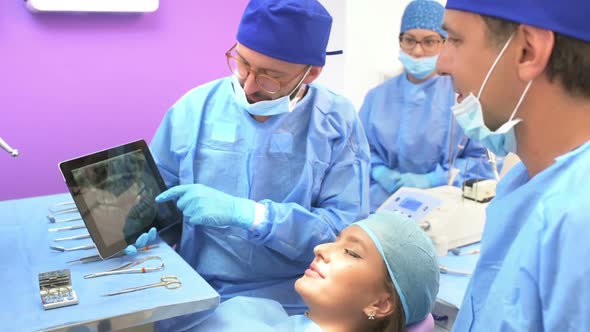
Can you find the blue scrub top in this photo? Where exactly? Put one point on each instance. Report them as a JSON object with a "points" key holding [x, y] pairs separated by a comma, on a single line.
{"points": [[310, 167], [532, 274], [409, 130]]}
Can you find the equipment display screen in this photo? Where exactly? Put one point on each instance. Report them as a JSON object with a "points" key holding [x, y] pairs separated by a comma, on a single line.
{"points": [[410, 204]]}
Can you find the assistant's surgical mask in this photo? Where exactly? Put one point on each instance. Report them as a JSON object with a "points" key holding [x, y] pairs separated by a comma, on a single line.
{"points": [[469, 115], [418, 67], [268, 107]]}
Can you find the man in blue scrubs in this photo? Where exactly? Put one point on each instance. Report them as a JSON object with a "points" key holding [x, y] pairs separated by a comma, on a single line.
{"points": [[413, 137], [264, 164], [522, 72]]}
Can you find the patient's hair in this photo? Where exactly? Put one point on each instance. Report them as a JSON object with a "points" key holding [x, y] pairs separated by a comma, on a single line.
{"points": [[396, 322]]}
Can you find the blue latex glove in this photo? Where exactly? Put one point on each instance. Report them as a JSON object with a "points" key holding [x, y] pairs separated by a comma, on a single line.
{"points": [[202, 205], [386, 177], [413, 180], [142, 241]]}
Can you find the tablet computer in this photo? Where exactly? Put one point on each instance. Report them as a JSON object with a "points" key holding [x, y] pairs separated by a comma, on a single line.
{"points": [[115, 192]]}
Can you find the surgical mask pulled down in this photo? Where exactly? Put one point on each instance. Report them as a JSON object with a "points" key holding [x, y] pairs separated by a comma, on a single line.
{"points": [[418, 67], [469, 115], [268, 107]]}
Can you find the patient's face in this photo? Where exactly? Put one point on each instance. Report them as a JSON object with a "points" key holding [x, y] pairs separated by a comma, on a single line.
{"points": [[345, 275]]}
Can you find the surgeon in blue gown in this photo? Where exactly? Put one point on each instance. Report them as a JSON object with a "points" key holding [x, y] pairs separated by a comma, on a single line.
{"points": [[408, 119], [522, 71], [264, 164]]}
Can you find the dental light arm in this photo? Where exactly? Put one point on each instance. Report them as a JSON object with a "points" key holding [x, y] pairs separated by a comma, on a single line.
{"points": [[7, 148]]}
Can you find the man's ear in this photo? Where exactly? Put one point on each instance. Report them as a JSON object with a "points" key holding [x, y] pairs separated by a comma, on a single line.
{"points": [[536, 50], [314, 72]]}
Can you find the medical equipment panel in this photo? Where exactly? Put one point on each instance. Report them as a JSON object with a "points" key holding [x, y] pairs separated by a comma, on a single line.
{"points": [[446, 216], [415, 205]]}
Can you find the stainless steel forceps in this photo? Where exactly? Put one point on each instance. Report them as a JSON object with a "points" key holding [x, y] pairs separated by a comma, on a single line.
{"points": [[124, 269], [170, 282]]}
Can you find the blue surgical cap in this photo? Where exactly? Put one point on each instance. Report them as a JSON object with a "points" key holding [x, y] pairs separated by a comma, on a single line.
{"points": [[423, 14], [295, 31], [567, 17], [410, 259]]}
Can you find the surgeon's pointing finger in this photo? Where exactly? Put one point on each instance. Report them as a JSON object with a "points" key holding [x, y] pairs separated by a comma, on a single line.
{"points": [[172, 193]]}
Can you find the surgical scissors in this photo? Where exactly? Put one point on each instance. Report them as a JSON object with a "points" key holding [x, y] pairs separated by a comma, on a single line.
{"points": [[170, 282], [123, 269]]}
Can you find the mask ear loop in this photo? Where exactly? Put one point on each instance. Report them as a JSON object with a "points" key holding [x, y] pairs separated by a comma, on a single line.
{"points": [[297, 88], [526, 90], [485, 81]]}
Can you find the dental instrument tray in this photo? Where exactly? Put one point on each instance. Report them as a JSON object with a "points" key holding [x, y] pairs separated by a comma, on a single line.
{"points": [[115, 191], [55, 288]]}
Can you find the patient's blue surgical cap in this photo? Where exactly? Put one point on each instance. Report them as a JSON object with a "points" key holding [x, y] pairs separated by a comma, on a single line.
{"points": [[295, 31], [423, 14], [567, 17], [410, 259]]}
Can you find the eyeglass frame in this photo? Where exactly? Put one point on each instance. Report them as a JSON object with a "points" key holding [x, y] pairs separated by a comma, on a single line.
{"points": [[439, 42], [257, 74]]}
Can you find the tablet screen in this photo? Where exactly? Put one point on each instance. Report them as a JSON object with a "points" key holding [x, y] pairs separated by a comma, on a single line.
{"points": [[115, 192]]}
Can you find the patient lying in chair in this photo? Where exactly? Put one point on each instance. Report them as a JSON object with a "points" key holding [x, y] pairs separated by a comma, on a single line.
{"points": [[380, 274]]}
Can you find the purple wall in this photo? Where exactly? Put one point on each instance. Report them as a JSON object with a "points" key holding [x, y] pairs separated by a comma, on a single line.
{"points": [[71, 84]]}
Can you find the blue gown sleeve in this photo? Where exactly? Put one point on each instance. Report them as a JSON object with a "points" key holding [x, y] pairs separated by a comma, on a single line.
{"points": [[293, 230], [563, 282]]}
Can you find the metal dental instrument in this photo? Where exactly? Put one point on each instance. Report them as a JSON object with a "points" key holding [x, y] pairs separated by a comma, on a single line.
{"points": [[52, 219], [124, 269], [96, 258], [84, 247], [7, 148], [61, 205], [457, 252], [70, 210], [170, 282], [67, 228], [64, 203], [75, 237], [446, 270]]}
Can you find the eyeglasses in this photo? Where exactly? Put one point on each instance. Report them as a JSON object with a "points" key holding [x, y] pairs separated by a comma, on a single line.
{"points": [[429, 44], [264, 81]]}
